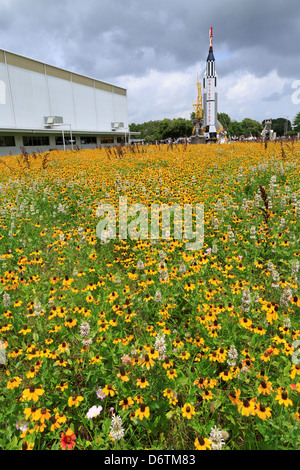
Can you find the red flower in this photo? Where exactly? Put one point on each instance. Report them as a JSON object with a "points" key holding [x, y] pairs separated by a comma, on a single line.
{"points": [[68, 440], [270, 350]]}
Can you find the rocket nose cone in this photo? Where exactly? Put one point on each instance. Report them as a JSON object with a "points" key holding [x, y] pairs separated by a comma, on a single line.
{"points": [[210, 55]]}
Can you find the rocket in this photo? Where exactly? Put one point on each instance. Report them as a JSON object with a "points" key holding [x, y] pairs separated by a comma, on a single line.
{"points": [[210, 94]]}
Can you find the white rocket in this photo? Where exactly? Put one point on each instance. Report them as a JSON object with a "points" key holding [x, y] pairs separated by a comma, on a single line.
{"points": [[210, 94]]}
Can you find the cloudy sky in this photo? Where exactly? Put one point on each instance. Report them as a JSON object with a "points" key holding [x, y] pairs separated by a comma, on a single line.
{"points": [[155, 48]]}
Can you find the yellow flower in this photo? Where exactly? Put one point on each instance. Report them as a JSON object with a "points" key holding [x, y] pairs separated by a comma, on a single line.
{"points": [[32, 393], [74, 400], [202, 443], [126, 403], [171, 373], [282, 397], [13, 383], [26, 445], [262, 412], [142, 412], [246, 407], [142, 382], [188, 411], [109, 390]]}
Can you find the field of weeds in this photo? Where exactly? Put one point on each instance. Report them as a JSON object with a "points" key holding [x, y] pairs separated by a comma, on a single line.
{"points": [[113, 343]]}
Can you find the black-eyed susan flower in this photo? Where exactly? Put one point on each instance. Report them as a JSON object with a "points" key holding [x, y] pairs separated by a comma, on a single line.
{"points": [[42, 414], [138, 398], [221, 354], [30, 412], [96, 359], [282, 397], [147, 361], [184, 355], [200, 382], [26, 445], [265, 387], [246, 407], [177, 343], [153, 353], [123, 375], [167, 364], [188, 411], [32, 393], [202, 443], [13, 383], [262, 411], [171, 373], [70, 322], [234, 396], [63, 347], [225, 375], [62, 386], [245, 322], [32, 372], [25, 330], [126, 403], [142, 412], [61, 362], [15, 353], [295, 370], [142, 382], [207, 395], [54, 423], [168, 392], [74, 400], [109, 390]]}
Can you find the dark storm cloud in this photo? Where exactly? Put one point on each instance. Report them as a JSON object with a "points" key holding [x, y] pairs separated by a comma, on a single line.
{"points": [[112, 39], [118, 37]]}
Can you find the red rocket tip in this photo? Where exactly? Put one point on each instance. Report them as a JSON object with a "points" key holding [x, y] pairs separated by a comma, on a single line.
{"points": [[210, 37]]}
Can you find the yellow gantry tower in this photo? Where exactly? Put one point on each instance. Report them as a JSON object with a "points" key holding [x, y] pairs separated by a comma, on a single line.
{"points": [[198, 105]]}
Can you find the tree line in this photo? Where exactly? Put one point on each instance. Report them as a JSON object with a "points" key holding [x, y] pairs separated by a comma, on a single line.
{"points": [[175, 128]]}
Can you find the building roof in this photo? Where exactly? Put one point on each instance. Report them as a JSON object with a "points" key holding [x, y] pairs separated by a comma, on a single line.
{"points": [[17, 60]]}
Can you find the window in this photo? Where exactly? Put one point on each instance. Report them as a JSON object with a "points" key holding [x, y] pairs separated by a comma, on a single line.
{"points": [[35, 141], [7, 141], [107, 140], [68, 140], [88, 139]]}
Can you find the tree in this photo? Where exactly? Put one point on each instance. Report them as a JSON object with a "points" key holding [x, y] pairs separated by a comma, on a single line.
{"points": [[224, 119], [251, 127], [296, 123], [164, 129], [235, 129]]}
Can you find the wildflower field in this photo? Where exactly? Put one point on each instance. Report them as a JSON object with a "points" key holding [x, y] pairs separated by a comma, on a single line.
{"points": [[142, 344]]}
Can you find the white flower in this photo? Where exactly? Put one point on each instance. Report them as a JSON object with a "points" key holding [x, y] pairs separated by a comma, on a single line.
{"points": [[116, 430], [94, 411], [217, 438]]}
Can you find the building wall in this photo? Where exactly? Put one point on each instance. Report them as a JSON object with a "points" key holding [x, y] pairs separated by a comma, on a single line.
{"points": [[80, 140], [30, 90]]}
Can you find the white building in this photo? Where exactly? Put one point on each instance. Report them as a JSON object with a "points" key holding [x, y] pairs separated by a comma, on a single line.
{"points": [[44, 107]]}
